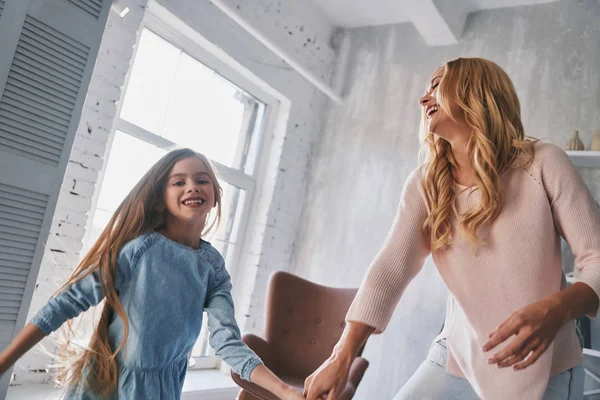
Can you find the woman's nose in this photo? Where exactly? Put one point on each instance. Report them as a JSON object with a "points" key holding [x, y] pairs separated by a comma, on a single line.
{"points": [[424, 100]]}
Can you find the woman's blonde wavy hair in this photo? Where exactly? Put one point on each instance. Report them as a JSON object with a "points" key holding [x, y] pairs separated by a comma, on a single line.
{"points": [[486, 96], [96, 367]]}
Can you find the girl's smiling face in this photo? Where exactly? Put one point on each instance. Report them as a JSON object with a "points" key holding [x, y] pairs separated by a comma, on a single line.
{"points": [[189, 193]]}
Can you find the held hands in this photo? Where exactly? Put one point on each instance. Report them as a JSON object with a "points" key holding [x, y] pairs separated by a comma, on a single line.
{"points": [[264, 377], [289, 393], [534, 328], [329, 380]]}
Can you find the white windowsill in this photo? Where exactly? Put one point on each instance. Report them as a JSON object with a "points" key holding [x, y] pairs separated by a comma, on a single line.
{"points": [[208, 384]]}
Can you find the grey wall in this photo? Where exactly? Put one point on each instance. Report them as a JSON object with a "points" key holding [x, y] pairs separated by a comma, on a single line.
{"points": [[370, 143]]}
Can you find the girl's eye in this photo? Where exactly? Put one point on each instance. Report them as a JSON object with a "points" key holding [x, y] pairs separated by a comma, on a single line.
{"points": [[435, 85], [178, 183], [203, 182]]}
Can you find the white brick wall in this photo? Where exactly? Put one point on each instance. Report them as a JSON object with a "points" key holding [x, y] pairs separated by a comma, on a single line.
{"points": [[305, 34]]}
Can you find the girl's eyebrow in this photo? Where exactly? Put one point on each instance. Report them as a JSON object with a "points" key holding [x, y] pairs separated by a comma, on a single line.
{"points": [[184, 174]]}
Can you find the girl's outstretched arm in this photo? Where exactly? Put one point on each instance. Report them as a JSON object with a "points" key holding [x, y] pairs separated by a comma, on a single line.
{"points": [[226, 339], [67, 304], [62, 307], [25, 340], [263, 376]]}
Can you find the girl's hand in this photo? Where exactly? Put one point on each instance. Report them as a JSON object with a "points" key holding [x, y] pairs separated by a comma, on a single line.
{"points": [[291, 394], [4, 366], [25, 340], [264, 377], [534, 328]]}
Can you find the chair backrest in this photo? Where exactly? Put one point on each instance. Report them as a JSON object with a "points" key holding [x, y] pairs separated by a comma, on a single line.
{"points": [[303, 322]]}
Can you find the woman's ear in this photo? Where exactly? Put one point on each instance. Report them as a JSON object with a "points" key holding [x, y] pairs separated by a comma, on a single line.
{"points": [[160, 207]]}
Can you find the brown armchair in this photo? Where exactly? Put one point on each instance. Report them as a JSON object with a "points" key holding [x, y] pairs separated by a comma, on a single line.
{"points": [[303, 323]]}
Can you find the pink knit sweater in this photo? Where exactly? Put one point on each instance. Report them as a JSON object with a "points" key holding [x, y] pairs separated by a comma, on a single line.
{"points": [[519, 264]]}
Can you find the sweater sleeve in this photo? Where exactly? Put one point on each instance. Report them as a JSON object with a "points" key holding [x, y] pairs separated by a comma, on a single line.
{"points": [[576, 214], [399, 260]]}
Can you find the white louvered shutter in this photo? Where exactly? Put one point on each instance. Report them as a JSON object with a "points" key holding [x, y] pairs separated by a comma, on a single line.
{"points": [[47, 52]]}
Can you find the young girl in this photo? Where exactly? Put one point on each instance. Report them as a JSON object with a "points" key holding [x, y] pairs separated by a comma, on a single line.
{"points": [[145, 264], [489, 205]]}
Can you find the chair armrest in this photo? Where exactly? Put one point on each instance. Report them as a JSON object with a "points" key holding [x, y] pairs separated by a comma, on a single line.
{"points": [[261, 348], [357, 371]]}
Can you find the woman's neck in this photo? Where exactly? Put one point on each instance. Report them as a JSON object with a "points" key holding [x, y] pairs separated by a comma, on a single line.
{"points": [[184, 232], [464, 173]]}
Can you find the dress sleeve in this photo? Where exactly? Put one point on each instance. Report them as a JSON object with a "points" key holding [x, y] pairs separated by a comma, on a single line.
{"points": [[82, 295], [225, 335], [576, 214], [399, 260]]}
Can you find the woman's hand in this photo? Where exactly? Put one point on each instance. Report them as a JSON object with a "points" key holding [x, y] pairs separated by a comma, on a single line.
{"points": [[536, 325], [329, 380], [534, 328]]}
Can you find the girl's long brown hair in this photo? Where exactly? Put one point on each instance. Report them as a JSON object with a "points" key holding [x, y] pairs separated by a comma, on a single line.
{"points": [[487, 97], [96, 367]]}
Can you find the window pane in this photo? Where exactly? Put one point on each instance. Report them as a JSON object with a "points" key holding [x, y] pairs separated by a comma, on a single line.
{"points": [[173, 95], [256, 129], [130, 158], [206, 113], [201, 347], [128, 161], [150, 84], [226, 237]]}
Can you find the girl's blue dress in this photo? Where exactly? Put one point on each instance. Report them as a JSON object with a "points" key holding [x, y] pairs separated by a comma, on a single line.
{"points": [[164, 288]]}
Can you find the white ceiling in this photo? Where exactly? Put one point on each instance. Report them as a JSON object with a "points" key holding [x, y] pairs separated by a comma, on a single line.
{"points": [[356, 13]]}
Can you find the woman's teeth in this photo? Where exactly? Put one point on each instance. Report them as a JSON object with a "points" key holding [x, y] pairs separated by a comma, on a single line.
{"points": [[432, 110]]}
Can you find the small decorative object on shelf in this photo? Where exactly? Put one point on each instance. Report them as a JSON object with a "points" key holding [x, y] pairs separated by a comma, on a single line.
{"points": [[574, 143], [596, 141]]}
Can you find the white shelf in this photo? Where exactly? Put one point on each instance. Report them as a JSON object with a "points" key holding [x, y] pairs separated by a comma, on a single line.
{"points": [[592, 353], [584, 158]]}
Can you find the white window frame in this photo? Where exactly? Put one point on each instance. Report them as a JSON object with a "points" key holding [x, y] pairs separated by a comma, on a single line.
{"points": [[197, 49]]}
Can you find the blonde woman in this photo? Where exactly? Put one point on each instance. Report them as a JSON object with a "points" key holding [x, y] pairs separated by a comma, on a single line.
{"points": [[490, 205]]}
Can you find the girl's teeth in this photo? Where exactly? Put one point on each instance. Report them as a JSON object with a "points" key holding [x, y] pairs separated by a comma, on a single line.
{"points": [[190, 202]]}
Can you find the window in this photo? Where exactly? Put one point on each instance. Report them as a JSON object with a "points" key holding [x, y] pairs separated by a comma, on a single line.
{"points": [[174, 100]]}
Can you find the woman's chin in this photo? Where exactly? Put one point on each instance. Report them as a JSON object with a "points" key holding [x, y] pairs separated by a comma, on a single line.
{"points": [[439, 131]]}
